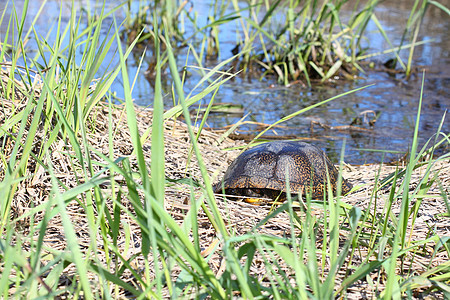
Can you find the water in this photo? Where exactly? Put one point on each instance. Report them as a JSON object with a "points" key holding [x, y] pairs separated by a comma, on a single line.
{"points": [[393, 97]]}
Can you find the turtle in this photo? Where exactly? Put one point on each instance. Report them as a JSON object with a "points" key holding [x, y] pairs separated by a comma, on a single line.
{"points": [[260, 172]]}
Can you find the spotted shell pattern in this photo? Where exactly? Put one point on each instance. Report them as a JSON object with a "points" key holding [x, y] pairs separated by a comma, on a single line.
{"points": [[265, 166]]}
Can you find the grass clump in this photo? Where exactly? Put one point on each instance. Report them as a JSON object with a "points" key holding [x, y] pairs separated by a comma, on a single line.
{"points": [[310, 41], [108, 201]]}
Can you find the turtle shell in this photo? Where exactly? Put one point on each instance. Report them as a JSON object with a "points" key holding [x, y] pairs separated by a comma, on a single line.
{"points": [[261, 171]]}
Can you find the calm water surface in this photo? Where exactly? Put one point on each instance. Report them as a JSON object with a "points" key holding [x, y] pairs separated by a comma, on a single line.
{"points": [[394, 98]]}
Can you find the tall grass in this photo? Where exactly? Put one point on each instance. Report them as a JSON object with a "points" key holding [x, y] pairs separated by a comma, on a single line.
{"points": [[168, 261]]}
